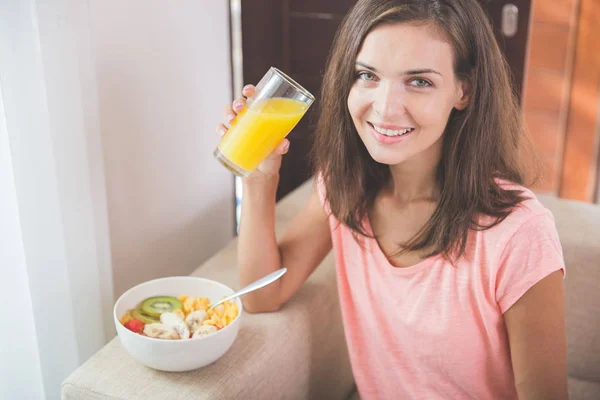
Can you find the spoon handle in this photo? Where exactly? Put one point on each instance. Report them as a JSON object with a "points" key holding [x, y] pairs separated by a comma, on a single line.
{"points": [[262, 282]]}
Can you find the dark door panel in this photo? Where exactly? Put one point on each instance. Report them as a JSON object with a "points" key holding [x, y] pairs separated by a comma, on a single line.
{"points": [[514, 45], [306, 58], [340, 7], [262, 38]]}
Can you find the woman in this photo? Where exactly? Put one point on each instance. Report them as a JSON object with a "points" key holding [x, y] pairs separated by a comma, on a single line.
{"points": [[449, 270]]}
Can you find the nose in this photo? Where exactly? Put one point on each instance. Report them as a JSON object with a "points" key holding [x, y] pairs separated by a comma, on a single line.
{"points": [[390, 101]]}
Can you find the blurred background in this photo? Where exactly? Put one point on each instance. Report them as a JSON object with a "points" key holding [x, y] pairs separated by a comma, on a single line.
{"points": [[549, 46], [107, 116]]}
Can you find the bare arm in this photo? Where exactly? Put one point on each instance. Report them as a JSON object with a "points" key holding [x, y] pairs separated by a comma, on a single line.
{"points": [[301, 249], [536, 332]]}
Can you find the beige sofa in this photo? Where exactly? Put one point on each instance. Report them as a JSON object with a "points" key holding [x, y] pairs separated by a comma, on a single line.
{"points": [[300, 351]]}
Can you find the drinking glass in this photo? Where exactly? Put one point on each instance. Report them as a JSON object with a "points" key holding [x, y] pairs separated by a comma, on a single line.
{"points": [[270, 114]]}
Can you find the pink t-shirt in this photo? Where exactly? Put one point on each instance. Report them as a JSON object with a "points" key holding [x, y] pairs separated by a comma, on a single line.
{"points": [[432, 330]]}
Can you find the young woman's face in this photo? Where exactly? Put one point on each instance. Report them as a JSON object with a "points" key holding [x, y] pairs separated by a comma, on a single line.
{"points": [[404, 91]]}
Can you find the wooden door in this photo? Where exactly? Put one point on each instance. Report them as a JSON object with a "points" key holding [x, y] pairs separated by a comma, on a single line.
{"points": [[579, 177], [562, 96], [296, 37]]}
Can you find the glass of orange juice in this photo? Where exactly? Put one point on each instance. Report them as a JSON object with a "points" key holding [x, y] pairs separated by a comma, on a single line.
{"points": [[276, 107]]}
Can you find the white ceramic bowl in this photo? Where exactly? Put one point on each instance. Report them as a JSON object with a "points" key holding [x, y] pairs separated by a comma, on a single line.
{"points": [[176, 355]]}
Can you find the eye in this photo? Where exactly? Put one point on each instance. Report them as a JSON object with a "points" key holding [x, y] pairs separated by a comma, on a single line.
{"points": [[365, 76], [420, 82]]}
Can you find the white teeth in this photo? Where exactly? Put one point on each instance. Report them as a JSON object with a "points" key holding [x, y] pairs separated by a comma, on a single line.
{"points": [[389, 132]]}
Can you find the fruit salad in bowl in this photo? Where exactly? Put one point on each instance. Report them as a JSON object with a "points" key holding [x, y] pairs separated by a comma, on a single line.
{"points": [[182, 317], [167, 323]]}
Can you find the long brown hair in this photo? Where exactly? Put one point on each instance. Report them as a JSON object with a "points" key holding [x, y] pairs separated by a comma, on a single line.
{"points": [[483, 142]]}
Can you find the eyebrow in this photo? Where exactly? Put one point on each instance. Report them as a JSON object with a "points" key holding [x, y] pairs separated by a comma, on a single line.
{"points": [[409, 72]]}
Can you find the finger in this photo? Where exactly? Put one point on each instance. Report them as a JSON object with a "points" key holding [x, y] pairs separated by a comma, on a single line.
{"points": [[279, 151], [221, 129], [238, 105], [228, 114], [248, 90], [283, 147]]}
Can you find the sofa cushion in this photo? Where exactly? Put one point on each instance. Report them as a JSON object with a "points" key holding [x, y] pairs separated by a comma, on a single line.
{"points": [[578, 226]]}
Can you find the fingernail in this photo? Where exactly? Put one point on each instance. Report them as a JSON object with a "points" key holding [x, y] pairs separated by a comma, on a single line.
{"points": [[247, 87], [221, 131], [230, 118], [237, 104], [286, 147]]}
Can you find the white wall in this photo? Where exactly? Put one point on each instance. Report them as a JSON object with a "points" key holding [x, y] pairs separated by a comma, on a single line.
{"points": [[22, 374], [107, 114], [52, 255], [163, 71]]}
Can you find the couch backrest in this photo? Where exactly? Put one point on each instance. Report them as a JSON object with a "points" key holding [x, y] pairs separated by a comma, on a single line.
{"points": [[578, 226]]}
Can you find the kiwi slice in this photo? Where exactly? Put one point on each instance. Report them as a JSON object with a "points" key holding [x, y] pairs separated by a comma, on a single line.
{"points": [[142, 317], [154, 306]]}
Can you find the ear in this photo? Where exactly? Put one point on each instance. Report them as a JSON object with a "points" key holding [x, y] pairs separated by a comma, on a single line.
{"points": [[463, 94]]}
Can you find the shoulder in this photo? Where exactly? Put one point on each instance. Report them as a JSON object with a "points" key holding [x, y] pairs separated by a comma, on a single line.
{"points": [[528, 214], [527, 248], [528, 228]]}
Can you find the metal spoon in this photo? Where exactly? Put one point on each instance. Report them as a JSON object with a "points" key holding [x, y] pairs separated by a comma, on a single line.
{"points": [[262, 282]]}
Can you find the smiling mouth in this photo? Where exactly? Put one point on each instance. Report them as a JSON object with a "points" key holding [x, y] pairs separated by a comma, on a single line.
{"points": [[391, 132]]}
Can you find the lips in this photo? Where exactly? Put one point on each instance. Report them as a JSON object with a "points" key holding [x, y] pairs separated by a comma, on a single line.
{"points": [[390, 134]]}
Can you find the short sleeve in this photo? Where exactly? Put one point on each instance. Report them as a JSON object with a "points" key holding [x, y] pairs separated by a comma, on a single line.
{"points": [[531, 254]]}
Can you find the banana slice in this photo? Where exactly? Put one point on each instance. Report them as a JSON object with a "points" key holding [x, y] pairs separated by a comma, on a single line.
{"points": [[204, 330], [176, 322], [194, 320], [160, 331]]}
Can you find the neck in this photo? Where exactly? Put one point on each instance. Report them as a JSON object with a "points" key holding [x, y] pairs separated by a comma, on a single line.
{"points": [[415, 179]]}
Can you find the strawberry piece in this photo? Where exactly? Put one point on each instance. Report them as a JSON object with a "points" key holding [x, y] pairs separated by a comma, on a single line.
{"points": [[135, 326]]}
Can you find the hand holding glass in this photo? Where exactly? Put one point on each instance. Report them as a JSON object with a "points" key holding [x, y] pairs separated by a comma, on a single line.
{"points": [[269, 116]]}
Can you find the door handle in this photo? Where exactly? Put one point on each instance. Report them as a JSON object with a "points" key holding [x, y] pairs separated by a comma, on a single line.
{"points": [[510, 20]]}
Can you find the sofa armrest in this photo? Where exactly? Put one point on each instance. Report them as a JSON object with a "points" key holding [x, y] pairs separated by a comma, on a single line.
{"points": [[298, 352], [578, 226]]}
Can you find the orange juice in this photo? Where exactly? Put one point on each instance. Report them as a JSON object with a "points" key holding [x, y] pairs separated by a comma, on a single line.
{"points": [[257, 130]]}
